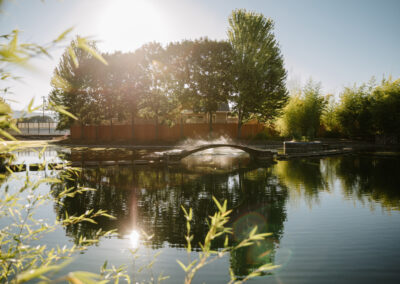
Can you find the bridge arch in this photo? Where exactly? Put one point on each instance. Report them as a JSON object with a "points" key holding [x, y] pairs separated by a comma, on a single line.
{"points": [[253, 152]]}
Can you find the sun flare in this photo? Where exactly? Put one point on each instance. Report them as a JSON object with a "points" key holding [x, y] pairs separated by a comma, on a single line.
{"points": [[134, 238], [126, 24]]}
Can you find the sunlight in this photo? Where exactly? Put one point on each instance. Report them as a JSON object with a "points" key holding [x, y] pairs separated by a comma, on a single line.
{"points": [[127, 24], [134, 238]]}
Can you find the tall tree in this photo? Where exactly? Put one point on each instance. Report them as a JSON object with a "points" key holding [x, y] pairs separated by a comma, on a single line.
{"points": [[133, 85], [209, 85], [385, 108], [73, 86], [302, 115], [157, 101], [258, 74], [354, 111]]}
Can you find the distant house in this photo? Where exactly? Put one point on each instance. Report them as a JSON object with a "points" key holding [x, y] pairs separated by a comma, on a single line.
{"points": [[38, 119], [34, 117], [220, 116]]}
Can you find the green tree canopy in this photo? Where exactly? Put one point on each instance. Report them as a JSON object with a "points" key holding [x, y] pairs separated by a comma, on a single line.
{"points": [[353, 111], [73, 85], [302, 115], [385, 108], [258, 75], [207, 83]]}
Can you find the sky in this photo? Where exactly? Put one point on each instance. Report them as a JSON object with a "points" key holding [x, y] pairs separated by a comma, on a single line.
{"points": [[338, 43]]}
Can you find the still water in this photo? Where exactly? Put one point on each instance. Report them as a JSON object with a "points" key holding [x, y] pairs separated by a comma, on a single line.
{"points": [[333, 220]]}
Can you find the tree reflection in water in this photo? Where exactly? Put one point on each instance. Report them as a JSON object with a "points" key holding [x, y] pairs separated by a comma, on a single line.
{"points": [[304, 178], [370, 179], [150, 199]]}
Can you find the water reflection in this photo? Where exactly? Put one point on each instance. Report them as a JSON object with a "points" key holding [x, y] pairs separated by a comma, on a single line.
{"points": [[304, 177], [150, 198], [134, 238], [370, 179], [216, 160]]}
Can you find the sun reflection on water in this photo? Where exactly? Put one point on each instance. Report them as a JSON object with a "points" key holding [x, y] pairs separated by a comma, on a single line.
{"points": [[134, 238]]}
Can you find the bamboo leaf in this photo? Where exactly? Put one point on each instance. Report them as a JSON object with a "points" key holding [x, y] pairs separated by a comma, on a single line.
{"points": [[82, 44], [253, 231], [217, 203], [63, 35], [182, 265], [63, 111], [72, 54], [7, 135]]}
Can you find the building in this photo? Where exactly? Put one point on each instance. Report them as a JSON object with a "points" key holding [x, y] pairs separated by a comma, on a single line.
{"points": [[220, 116]]}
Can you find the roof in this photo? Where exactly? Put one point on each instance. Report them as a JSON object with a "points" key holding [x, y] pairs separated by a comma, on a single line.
{"points": [[222, 107]]}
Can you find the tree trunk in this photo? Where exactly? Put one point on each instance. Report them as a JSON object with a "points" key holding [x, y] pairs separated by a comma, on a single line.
{"points": [[82, 131], [133, 125], [181, 128], [240, 123], [97, 131], [111, 129], [210, 124], [156, 127]]}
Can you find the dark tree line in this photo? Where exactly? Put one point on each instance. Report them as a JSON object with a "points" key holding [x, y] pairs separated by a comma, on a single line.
{"points": [[157, 82]]}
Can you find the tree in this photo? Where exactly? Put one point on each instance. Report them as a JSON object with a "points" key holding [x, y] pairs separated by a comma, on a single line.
{"points": [[329, 117], [302, 115], [385, 108], [290, 121], [74, 86], [257, 73], [132, 89], [208, 84], [354, 112], [158, 101], [314, 105]]}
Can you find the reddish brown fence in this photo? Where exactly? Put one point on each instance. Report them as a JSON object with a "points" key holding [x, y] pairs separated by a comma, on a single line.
{"points": [[149, 133]]}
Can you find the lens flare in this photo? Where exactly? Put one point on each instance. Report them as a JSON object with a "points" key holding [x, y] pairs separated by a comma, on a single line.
{"points": [[134, 238], [245, 223]]}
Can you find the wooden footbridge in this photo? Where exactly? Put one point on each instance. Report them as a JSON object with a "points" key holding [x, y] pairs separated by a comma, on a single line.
{"points": [[255, 153]]}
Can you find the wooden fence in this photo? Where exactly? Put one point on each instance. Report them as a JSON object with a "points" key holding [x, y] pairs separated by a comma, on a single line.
{"points": [[38, 129], [148, 133]]}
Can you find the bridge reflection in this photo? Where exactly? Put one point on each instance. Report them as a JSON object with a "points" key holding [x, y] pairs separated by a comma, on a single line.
{"points": [[150, 199]]}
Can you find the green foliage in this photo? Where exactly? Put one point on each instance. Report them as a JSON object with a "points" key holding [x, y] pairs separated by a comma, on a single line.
{"points": [[258, 75], [14, 53], [218, 229], [97, 93], [354, 111], [302, 115], [329, 118], [6, 121], [22, 261], [157, 83], [208, 81], [158, 100], [367, 110], [361, 112], [385, 108], [72, 84]]}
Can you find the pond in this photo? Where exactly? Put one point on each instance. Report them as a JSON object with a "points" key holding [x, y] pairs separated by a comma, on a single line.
{"points": [[333, 219]]}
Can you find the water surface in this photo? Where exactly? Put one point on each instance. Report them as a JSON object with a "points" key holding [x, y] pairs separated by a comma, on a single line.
{"points": [[332, 219]]}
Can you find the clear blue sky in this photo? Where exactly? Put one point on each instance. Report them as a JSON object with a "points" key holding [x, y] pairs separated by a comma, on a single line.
{"points": [[337, 42]]}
